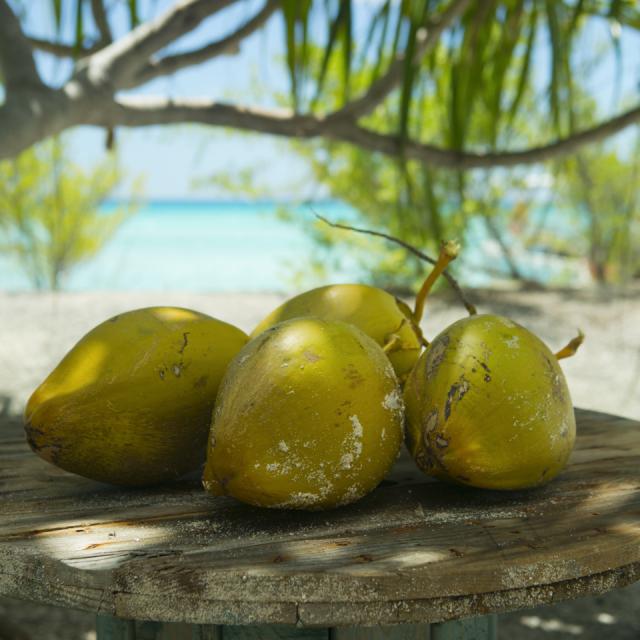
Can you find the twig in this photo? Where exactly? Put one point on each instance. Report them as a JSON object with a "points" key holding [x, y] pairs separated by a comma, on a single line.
{"points": [[102, 22], [62, 50], [228, 44], [416, 252]]}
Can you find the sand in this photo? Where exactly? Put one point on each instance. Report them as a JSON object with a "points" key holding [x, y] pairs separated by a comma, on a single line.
{"points": [[38, 329]]}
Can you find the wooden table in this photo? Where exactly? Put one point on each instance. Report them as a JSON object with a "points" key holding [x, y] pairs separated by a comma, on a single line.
{"points": [[415, 554]]}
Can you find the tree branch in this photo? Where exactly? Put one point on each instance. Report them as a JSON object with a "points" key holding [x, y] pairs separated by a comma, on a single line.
{"points": [[470, 307], [16, 57], [121, 60], [437, 156], [226, 45], [148, 111], [60, 49], [140, 112], [43, 112], [102, 22], [384, 85]]}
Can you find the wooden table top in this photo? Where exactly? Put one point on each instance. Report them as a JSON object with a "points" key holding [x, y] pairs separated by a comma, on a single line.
{"points": [[415, 550]]}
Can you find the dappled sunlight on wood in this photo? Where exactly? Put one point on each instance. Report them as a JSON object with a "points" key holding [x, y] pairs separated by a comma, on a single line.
{"points": [[413, 540]]}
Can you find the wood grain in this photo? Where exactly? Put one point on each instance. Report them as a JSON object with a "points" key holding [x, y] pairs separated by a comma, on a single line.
{"points": [[413, 551]]}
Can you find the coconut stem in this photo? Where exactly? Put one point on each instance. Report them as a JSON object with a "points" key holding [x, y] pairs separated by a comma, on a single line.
{"points": [[448, 252], [571, 347], [391, 344]]}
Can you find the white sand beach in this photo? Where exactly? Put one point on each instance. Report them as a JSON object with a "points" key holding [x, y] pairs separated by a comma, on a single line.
{"points": [[38, 329]]}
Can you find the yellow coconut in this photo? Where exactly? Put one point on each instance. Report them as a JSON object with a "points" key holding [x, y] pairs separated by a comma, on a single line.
{"points": [[487, 405], [309, 416], [383, 317], [131, 403]]}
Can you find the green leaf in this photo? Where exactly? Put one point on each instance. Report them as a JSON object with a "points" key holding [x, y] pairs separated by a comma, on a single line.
{"points": [[289, 14], [552, 27], [578, 11], [57, 14], [408, 77], [329, 47], [386, 18], [615, 13], [347, 48], [134, 19], [502, 55], [526, 65], [79, 28], [374, 28]]}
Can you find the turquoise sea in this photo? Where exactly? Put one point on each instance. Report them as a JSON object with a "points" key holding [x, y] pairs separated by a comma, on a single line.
{"points": [[223, 246], [194, 246]]}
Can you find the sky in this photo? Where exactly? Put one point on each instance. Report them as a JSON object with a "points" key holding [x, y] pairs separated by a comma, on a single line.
{"points": [[172, 161]]}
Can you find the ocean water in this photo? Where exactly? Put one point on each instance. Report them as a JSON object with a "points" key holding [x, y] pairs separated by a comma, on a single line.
{"points": [[196, 246], [216, 246]]}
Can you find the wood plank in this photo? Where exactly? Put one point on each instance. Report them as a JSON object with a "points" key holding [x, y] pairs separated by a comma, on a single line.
{"points": [[413, 551]]}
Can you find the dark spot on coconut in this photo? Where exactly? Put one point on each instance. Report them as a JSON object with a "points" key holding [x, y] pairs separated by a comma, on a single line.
{"points": [[424, 457], [264, 338], [441, 442], [456, 553], [487, 377], [473, 369], [278, 559], [480, 362], [114, 319], [177, 368], [545, 471], [353, 376], [431, 421], [185, 342], [200, 382], [557, 388], [457, 391], [435, 355], [162, 372], [50, 451], [31, 433]]}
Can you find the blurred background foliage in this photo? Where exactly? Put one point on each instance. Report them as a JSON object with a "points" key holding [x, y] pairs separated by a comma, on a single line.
{"points": [[586, 205], [50, 217], [505, 75]]}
